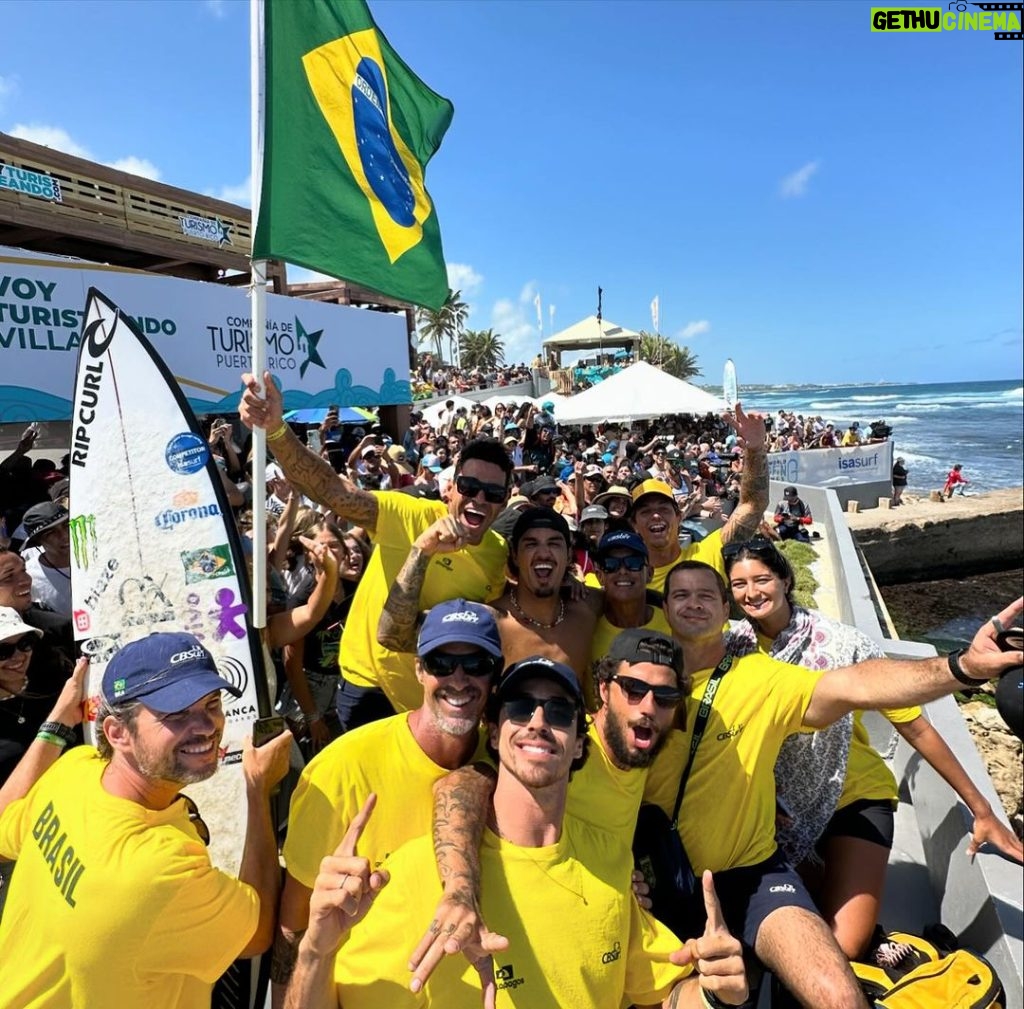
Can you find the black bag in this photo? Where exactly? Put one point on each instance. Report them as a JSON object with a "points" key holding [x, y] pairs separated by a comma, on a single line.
{"points": [[675, 892], [677, 898]]}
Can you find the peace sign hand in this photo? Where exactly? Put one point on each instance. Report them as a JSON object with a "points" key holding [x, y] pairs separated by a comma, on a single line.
{"points": [[716, 955], [344, 890]]}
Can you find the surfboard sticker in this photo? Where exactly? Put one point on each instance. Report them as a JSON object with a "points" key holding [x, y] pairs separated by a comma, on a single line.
{"points": [[730, 390], [154, 546]]}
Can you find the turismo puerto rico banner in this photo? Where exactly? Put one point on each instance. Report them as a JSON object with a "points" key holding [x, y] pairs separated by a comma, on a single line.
{"points": [[348, 130]]}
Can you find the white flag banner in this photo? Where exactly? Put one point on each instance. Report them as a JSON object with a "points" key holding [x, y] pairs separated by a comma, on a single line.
{"points": [[540, 314], [654, 313]]}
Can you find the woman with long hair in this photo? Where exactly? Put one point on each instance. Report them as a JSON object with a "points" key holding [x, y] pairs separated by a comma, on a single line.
{"points": [[846, 830]]}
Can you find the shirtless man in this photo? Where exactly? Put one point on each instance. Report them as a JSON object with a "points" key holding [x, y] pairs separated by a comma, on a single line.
{"points": [[533, 613]]}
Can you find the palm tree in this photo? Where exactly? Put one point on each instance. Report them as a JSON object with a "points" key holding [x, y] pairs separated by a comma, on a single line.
{"points": [[481, 348], [445, 323], [667, 355]]}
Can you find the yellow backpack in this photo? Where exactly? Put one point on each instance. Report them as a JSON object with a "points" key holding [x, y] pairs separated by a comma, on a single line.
{"points": [[911, 972]]}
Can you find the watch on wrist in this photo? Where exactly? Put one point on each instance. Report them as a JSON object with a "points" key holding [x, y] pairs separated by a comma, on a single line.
{"points": [[957, 670]]}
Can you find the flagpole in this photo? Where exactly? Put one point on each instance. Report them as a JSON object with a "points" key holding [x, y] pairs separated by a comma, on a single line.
{"points": [[258, 313]]}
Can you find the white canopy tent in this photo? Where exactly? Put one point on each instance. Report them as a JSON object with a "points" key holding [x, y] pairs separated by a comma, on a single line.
{"points": [[638, 392], [592, 333]]}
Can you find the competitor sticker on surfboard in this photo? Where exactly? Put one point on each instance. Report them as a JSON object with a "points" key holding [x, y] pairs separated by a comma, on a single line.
{"points": [[154, 547]]}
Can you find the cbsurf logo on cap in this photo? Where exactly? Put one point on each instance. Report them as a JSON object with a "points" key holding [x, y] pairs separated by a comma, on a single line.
{"points": [[186, 453], [462, 616]]}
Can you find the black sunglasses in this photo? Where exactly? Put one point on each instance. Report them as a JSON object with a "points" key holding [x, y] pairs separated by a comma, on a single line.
{"points": [[636, 690], [559, 712], [24, 644], [441, 664], [758, 545], [470, 487], [195, 819], [632, 562]]}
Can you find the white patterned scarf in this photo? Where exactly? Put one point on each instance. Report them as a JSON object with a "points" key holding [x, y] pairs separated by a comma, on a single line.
{"points": [[811, 767]]}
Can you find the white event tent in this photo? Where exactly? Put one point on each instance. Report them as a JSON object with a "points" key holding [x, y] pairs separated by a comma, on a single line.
{"points": [[638, 392]]}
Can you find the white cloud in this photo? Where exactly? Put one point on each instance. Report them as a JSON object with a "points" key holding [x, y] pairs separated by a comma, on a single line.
{"points": [[218, 8], [516, 323], [59, 139], [462, 277], [7, 88], [240, 194], [137, 166], [692, 329], [795, 184]]}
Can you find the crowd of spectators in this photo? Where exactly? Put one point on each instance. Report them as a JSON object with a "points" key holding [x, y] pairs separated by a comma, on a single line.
{"points": [[433, 378], [791, 432]]}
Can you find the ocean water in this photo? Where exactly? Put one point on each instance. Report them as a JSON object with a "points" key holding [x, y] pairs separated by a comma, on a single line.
{"points": [[978, 424]]}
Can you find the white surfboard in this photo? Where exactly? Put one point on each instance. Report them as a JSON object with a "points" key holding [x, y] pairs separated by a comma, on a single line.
{"points": [[730, 390], [154, 546]]}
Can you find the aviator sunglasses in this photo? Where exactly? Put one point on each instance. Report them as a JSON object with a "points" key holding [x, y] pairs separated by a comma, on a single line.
{"points": [[469, 486], [759, 545], [441, 664], [559, 713], [8, 648], [636, 690], [633, 562]]}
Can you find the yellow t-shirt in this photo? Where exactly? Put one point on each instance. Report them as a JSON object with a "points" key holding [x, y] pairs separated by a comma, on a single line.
{"points": [[381, 757], [577, 937], [606, 796], [867, 774], [112, 903], [728, 814], [708, 550], [476, 573]]}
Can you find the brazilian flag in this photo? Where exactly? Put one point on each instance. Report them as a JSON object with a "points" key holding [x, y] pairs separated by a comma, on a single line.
{"points": [[348, 131]]}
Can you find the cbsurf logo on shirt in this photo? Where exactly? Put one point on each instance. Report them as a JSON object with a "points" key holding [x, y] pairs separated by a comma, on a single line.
{"points": [[382, 165], [1004, 19]]}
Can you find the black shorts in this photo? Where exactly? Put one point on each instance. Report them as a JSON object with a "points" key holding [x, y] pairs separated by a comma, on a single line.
{"points": [[750, 893], [867, 819]]}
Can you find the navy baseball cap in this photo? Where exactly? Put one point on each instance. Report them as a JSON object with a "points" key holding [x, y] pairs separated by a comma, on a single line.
{"points": [[166, 671], [539, 518], [638, 644], [459, 622], [621, 539], [539, 667]]}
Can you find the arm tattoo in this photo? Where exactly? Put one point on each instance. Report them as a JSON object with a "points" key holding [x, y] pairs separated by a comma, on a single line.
{"points": [[460, 805], [397, 626], [749, 513], [285, 953], [315, 477]]}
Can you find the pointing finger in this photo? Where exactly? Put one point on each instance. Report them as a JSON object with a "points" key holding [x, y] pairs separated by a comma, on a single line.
{"points": [[356, 827], [716, 920]]}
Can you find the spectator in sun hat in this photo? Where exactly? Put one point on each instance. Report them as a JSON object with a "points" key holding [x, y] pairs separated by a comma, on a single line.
{"points": [[105, 834]]}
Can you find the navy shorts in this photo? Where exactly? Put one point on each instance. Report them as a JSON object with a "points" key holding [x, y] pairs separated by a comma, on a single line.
{"points": [[360, 705], [866, 819], [750, 893]]}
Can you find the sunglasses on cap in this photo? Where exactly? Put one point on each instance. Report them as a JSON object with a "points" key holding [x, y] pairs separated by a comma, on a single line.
{"points": [[636, 690], [559, 712], [195, 819], [441, 664], [631, 562], [470, 487], [759, 545], [23, 644]]}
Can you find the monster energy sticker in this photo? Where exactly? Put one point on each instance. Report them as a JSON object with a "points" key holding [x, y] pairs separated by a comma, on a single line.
{"points": [[83, 540], [209, 562]]}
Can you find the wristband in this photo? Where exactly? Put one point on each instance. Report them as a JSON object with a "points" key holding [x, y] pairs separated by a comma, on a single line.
{"points": [[278, 433], [712, 1001], [953, 661], [61, 731], [49, 737]]}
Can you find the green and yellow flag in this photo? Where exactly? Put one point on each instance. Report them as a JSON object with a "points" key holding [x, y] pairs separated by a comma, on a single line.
{"points": [[348, 131]]}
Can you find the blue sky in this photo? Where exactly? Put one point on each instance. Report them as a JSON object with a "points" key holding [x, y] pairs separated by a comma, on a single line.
{"points": [[817, 201]]}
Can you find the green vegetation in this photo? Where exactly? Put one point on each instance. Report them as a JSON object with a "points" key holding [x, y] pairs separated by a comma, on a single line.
{"points": [[801, 556], [443, 324], [481, 348], [667, 355]]}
